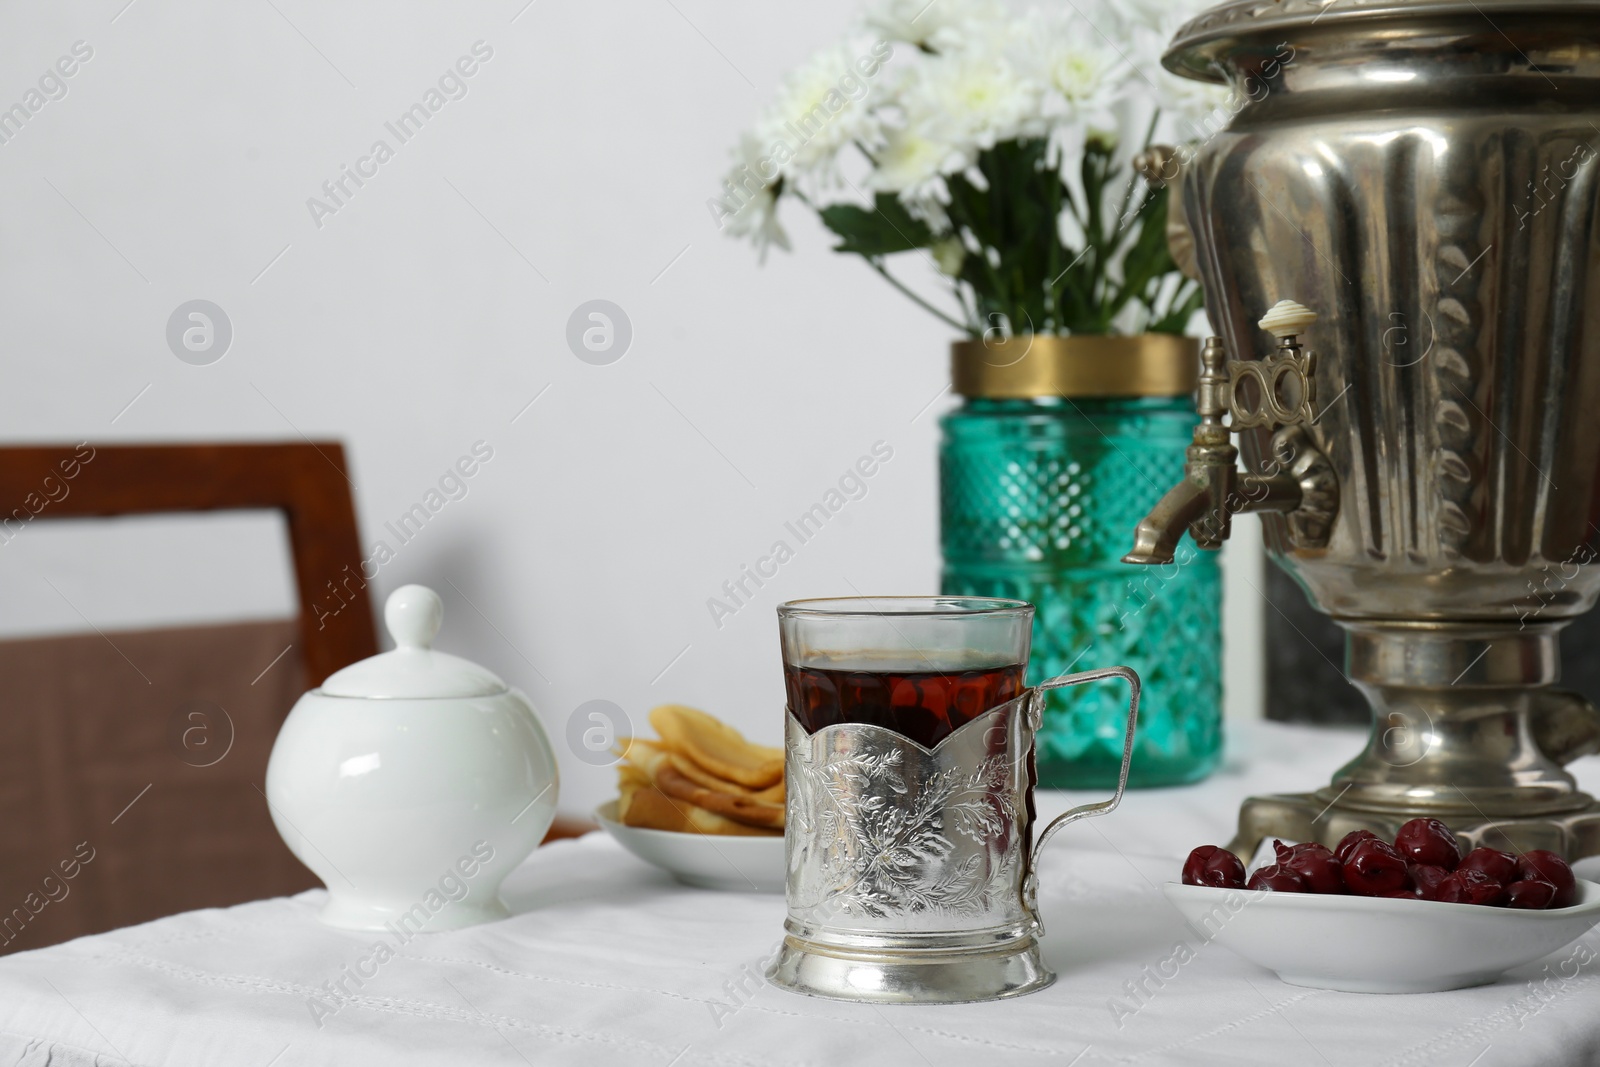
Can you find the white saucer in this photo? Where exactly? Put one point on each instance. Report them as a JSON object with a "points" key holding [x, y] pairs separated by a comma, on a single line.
{"points": [[708, 861], [1377, 945]]}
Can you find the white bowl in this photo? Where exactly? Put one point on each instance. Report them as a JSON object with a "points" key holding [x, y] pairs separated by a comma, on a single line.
{"points": [[708, 861], [1377, 945]]}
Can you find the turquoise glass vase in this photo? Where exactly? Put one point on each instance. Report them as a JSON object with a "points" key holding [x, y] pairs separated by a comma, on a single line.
{"points": [[1039, 496]]}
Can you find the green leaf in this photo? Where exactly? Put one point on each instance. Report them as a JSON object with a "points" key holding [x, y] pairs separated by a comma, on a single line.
{"points": [[1188, 299], [1007, 212], [1147, 258], [881, 230]]}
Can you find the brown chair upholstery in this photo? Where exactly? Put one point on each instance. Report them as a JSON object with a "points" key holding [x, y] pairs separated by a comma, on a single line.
{"points": [[156, 782]]}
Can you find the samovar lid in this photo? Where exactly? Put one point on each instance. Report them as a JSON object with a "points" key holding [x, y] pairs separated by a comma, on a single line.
{"points": [[1220, 32]]}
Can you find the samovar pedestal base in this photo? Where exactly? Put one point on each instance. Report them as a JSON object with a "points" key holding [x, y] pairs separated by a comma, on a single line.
{"points": [[1312, 817], [912, 977], [1468, 728]]}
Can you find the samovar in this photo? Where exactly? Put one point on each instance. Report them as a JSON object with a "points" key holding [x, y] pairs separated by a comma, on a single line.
{"points": [[1410, 186]]}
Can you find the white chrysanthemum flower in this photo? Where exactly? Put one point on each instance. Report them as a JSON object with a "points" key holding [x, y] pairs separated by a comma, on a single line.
{"points": [[973, 101], [913, 164], [750, 196], [935, 25], [1084, 76], [1082, 72], [1190, 110], [822, 107], [911, 160], [949, 255], [1160, 15]]}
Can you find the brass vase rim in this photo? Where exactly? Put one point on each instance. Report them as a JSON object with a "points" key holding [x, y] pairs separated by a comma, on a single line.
{"points": [[1033, 366]]}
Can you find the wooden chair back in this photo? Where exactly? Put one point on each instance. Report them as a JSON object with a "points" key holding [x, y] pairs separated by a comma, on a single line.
{"points": [[131, 763]]}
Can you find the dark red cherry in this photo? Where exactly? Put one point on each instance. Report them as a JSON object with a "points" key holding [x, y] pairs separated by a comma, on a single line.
{"points": [[1491, 861], [1278, 879], [1374, 869], [1351, 840], [1533, 894], [1284, 852], [1469, 885], [1212, 866], [1428, 841], [1544, 865], [1318, 866], [1427, 878]]}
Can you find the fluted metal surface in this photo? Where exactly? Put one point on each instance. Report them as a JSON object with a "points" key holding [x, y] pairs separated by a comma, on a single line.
{"points": [[1432, 193], [1425, 175]]}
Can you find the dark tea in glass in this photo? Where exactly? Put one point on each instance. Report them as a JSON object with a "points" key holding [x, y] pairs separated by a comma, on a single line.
{"points": [[926, 706], [921, 666]]}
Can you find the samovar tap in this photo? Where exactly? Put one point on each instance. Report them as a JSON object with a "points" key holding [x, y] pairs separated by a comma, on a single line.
{"points": [[1278, 392]]}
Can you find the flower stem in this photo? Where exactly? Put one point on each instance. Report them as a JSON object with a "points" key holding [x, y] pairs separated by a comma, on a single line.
{"points": [[1127, 196], [879, 267]]}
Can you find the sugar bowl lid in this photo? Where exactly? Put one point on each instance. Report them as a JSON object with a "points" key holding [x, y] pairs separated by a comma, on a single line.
{"points": [[413, 670]]}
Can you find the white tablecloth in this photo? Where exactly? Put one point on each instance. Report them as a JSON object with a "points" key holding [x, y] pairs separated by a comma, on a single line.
{"points": [[607, 961]]}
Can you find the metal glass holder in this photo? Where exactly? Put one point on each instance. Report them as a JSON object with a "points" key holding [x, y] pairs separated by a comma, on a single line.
{"points": [[912, 873]]}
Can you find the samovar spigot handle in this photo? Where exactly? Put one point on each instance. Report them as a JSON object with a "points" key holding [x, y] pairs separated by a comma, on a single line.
{"points": [[1277, 393], [1286, 320]]}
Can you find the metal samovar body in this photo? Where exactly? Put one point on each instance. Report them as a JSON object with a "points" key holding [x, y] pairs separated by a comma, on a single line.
{"points": [[1423, 443]]}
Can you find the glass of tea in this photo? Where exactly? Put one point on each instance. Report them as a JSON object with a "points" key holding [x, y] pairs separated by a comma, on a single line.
{"points": [[923, 666], [909, 769]]}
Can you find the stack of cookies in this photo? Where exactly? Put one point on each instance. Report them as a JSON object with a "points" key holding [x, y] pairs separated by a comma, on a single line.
{"points": [[701, 777]]}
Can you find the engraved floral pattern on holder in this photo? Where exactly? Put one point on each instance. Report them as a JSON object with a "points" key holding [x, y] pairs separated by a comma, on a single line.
{"points": [[882, 829]]}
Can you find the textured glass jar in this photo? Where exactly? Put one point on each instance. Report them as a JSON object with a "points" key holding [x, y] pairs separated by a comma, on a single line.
{"points": [[1039, 496]]}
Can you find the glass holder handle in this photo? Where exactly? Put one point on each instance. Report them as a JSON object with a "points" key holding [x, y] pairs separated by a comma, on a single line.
{"points": [[1030, 883]]}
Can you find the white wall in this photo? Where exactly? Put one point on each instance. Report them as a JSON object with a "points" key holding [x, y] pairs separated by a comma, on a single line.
{"points": [[432, 307]]}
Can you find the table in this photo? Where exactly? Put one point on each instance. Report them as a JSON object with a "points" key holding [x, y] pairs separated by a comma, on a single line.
{"points": [[607, 961]]}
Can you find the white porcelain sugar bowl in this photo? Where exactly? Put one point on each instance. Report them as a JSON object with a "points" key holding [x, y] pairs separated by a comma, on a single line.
{"points": [[411, 783]]}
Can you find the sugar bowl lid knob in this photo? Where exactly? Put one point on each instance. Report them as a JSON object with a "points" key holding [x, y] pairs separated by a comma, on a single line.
{"points": [[413, 670], [413, 614]]}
